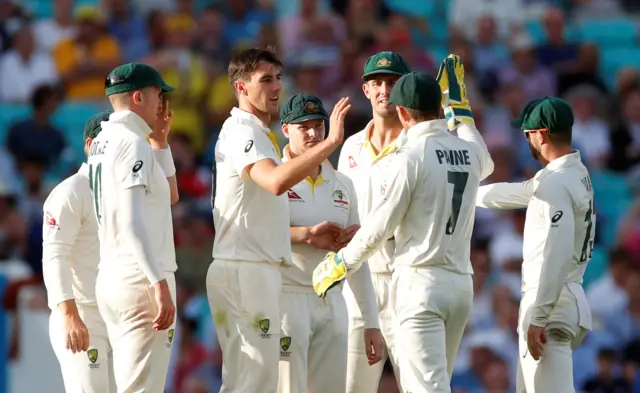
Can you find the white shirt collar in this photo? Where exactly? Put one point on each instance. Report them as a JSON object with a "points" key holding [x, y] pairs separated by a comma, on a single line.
{"points": [[423, 128], [249, 117], [140, 127], [570, 159]]}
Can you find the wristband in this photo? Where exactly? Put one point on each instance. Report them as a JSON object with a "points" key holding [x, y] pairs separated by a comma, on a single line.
{"points": [[165, 160]]}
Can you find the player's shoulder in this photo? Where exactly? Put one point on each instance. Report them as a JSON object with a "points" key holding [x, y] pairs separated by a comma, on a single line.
{"points": [[70, 190], [343, 179], [355, 142], [573, 182]]}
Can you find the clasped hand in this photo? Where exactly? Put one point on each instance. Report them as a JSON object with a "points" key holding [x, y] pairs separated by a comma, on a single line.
{"points": [[330, 236]]}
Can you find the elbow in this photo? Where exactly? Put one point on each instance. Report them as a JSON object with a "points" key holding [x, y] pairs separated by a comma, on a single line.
{"points": [[276, 187]]}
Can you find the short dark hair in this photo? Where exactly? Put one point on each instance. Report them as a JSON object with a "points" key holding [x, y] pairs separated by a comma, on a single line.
{"points": [[245, 63], [561, 138], [42, 94]]}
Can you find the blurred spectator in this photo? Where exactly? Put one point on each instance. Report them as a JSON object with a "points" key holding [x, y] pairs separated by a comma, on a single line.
{"points": [[507, 15], [128, 27], [506, 246], [608, 292], [625, 136], [480, 316], [556, 53], [629, 231], [607, 379], [186, 70], [536, 80], [209, 41], [156, 34], [194, 251], [586, 72], [23, 68], [48, 32], [496, 377], [13, 229], [488, 54], [37, 137], [582, 9], [623, 322], [84, 60], [590, 132], [244, 22], [192, 354], [9, 10], [300, 32]]}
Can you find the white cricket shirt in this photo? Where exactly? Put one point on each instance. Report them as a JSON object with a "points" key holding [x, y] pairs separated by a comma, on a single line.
{"points": [[367, 170], [252, 224], [121, 158], [429, 200], [559, 231], [330, 197], [70, 246]]}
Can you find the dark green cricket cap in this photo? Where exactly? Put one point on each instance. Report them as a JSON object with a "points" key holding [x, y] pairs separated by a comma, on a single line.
{"points": [[93, 127], [551, 113], [134, 76], [385, 63], [417, 90], [302, 107]]}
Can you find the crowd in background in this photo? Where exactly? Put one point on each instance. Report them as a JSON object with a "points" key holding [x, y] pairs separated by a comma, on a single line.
{"points": [[54, 55]]}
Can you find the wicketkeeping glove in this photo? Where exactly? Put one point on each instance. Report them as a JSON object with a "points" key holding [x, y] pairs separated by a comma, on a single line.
{"points": [[454, 93], [329, 273]]}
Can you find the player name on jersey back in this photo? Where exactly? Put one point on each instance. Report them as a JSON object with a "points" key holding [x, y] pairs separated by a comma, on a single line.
{"points": [[120, 158]]}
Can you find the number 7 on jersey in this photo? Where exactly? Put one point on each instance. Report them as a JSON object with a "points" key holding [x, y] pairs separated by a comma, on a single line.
{"points": [[459, 181], [95, 183]]}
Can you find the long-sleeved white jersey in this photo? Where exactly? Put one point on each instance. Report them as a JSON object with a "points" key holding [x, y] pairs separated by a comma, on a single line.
{"points": [[559, 231], [331, 197], [119, 159], [367, 170], [430, 200], [70, 246]]}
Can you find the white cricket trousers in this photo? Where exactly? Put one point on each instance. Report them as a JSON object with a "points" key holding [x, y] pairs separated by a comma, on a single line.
{"points": [[553, 372], [140, 353], [313, 342], [84, 372], [244, 298], [361, 377], [432, 307]]}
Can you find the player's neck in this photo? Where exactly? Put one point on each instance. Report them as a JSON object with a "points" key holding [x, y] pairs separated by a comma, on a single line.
{"points": [[385, 132], [554, 153], [246, 106]]}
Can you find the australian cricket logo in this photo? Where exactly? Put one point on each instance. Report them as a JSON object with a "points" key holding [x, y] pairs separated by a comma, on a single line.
{"points": [[92, 354], [384, 62], [285, 343], [170, 337], [310, 107], [264, 325], [339, 199]]}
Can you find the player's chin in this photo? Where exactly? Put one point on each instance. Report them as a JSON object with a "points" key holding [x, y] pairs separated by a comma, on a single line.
{"points": [[272, 105]]}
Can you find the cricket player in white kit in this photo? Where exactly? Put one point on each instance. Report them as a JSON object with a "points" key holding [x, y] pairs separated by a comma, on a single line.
{"points": [[133, 184], [430, 205], [251, 218], [324, 216], [558, 241], [366, 158], [70, 256]]}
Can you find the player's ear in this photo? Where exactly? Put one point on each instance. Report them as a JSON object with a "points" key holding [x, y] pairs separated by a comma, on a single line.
{"points": [[137, 97], [365, 89], [240, 87], [285, 130]]}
